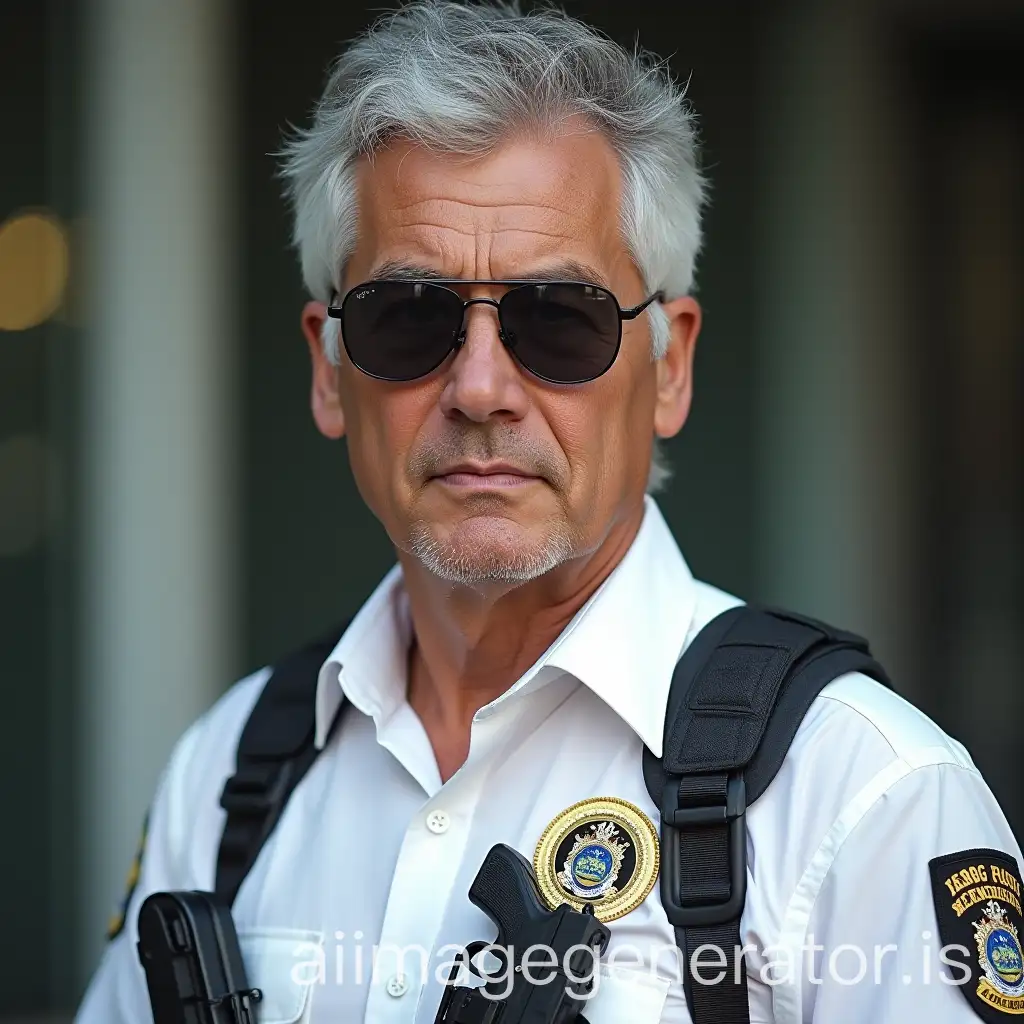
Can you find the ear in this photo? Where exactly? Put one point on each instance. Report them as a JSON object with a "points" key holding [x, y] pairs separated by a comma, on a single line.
{"points": [[325, 398], [675, 368]]}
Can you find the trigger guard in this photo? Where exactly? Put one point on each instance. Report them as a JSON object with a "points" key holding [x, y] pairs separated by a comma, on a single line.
{"points": [[474, 949]]}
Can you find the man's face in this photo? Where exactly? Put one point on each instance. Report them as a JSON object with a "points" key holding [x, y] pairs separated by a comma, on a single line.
{"points": [[481, 471]]}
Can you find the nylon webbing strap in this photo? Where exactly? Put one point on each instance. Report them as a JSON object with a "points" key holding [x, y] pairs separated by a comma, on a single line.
{"points": [[704, 878], [738, 696], [704, 852], [726, 1001], [275, 751], [703, 886]]}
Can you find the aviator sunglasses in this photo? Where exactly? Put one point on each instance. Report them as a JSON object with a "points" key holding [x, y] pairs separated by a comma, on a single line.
{"points": [[564, 332]]}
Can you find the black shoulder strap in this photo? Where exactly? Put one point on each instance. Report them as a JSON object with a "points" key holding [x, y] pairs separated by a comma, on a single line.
{"points": [[738, 696], [275, 751]]}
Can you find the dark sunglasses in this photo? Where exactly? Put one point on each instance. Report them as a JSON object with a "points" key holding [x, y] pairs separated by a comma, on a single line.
{"points": [[564, 332]]}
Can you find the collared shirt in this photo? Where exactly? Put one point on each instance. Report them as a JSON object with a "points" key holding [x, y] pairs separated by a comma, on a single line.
{"points": [[359, 897]]}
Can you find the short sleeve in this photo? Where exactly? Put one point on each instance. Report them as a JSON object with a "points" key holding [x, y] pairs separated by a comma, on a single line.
{"points": [[117, 993], [874, 947], [179, 852]]}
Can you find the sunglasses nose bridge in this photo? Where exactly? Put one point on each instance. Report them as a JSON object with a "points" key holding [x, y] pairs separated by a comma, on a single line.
{"points": [[480, 301]]}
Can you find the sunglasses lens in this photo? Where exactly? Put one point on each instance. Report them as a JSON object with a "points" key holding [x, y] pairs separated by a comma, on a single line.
{"points": [[565, 333], [399, 330]]}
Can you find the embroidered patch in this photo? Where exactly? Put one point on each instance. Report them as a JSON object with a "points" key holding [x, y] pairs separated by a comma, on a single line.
{"points": [[978, 904], [602, 851], [116, 924]]}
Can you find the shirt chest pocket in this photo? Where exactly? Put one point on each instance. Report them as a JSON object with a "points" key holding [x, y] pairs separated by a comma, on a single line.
{"points": [[627, 994], [286, 965]]}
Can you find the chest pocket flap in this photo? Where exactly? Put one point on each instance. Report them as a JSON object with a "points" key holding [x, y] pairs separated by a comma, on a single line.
{"points": [[286, 965], [627, 994]]}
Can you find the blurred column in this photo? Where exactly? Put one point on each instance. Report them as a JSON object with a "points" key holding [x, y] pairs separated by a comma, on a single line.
{"points": [[159, 411], [834, 431]]}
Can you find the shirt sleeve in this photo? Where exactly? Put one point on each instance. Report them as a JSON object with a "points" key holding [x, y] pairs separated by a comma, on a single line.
{"points": [[872, 947], [117, 993], [180, 852]]}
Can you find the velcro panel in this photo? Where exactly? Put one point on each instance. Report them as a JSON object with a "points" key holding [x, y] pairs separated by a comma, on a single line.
{"points": [[289, 734], [738, 677], [731, 695], [729, 709]]}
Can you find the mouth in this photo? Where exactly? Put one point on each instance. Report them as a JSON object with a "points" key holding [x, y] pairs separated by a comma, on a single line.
{"points": [[489, 476]]}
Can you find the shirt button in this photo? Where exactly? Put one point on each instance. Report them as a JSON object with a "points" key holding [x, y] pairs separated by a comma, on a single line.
{"points": [[438, 822], [397, 986]]}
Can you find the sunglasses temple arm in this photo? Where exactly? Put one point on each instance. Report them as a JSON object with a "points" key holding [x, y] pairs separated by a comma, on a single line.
{"points": [[633, 312]]}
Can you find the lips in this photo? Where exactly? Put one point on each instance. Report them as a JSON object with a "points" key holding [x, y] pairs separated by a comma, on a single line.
{"points": [[488, 469], [493, 474]]}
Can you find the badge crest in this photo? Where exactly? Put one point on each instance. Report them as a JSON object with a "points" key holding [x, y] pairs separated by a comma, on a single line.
{"points": [[999, 952], [602, 851], [978, 903]]}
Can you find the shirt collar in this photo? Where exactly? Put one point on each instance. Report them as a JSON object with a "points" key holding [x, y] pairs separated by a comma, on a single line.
{"points": [[623, 644], [369, 664]]}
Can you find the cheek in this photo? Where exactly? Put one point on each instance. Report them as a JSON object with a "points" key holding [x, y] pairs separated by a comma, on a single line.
{"points": [[382, 426], [606, 430], [589, 429], [637, 392]]}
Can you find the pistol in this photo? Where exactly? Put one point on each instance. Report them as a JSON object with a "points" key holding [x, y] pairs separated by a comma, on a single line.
{"points": [[571, 942]]}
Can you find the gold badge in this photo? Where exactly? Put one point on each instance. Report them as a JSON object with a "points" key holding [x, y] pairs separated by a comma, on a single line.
{"points": [[602, 851]]}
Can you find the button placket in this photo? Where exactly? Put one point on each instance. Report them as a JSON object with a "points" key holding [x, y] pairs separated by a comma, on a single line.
{"points": [[428, 865]]}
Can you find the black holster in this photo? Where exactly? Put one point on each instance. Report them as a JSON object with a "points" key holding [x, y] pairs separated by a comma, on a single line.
{"points": [[189, 950]]}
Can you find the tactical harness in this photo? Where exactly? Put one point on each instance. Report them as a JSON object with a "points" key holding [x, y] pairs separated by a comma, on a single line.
{"points": [[738, 696]]}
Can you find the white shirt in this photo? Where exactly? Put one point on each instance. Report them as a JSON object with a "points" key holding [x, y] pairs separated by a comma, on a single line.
{"points": [[373, 849]]}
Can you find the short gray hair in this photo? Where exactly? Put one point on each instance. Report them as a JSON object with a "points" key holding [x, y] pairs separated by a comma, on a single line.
{"points": [[460, 79]]}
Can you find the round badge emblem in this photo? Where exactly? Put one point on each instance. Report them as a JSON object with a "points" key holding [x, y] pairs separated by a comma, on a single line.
{"points": [[602, 851], [999, 950]]}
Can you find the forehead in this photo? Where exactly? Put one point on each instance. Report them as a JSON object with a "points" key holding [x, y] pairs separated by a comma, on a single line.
{"points": [[496, 215]]}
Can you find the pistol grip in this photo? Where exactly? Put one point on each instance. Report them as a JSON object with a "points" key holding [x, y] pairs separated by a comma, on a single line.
{"points": [[506, 890]]}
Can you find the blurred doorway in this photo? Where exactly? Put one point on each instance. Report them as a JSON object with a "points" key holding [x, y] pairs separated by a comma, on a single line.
{"points": [[968, 350]]}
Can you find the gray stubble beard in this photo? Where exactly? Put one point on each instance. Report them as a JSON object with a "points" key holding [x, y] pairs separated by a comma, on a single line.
{"points": [[464, 568]]}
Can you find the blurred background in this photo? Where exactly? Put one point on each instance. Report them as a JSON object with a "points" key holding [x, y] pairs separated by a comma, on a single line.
{"points": [[170, 519]]}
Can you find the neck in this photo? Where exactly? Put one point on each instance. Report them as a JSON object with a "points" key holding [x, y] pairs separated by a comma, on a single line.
{"points": [[472, 644]]}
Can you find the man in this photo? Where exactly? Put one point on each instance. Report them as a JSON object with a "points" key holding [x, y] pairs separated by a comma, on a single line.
{"points": [[498, 217]]}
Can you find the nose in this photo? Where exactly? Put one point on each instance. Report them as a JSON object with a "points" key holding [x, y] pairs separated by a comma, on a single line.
{"points": [[483, 381]]}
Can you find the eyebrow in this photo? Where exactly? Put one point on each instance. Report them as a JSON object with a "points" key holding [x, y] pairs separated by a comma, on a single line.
{"points": [[560, 270]]}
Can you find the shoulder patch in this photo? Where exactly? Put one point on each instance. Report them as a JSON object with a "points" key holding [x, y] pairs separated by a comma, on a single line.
{"points": [[977, 897], [117, 920]]}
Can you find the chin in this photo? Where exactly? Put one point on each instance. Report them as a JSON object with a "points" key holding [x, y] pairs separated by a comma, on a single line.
{"points": [[489, 550]]}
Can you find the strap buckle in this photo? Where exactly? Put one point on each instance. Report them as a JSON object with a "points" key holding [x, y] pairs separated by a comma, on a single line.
{"points": [[255, 788], [674, 820]]}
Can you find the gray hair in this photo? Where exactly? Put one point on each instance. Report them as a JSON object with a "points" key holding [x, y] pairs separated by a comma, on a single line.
{"points": [[460, 79]]}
